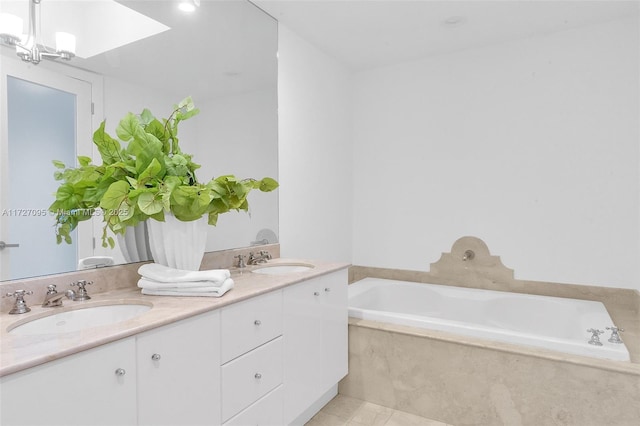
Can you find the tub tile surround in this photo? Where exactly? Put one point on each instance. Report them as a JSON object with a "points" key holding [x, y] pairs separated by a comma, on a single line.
{"points": [[468, 381], [457, 383]]}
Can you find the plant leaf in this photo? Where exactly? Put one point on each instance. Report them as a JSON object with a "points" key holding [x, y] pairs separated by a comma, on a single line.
{"points": [[115, 195], [108, 147], [128, 127], [149, 204]]}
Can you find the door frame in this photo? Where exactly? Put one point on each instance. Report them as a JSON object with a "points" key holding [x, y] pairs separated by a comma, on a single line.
{"points": [[69, 79]]}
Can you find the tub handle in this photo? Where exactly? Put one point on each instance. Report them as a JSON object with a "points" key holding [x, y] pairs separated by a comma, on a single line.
{"points": [[595, 336], [615, 337]]}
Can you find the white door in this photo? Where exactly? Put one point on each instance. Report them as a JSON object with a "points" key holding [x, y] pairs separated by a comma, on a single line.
{"points": [[45, 116]]}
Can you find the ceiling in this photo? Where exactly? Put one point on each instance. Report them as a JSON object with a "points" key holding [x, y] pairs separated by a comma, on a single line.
{"points": [[366, 34], [223, 48]]}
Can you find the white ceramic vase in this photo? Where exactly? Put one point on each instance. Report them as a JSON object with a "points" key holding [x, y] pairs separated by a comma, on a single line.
{"points": [[134, 244], [178, 244]]}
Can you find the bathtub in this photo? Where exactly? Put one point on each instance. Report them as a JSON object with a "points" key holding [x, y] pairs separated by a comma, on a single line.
{"points": [[553, 323]]}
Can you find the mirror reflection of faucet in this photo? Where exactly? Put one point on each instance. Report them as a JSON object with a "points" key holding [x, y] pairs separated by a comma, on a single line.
{"points": [[468, 255]]}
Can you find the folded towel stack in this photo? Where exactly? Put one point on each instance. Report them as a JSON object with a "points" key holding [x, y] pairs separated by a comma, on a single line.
{"points": [[159, 280]]}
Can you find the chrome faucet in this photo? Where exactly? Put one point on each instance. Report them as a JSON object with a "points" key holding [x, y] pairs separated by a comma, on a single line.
{"points": [[82, 291], [53, 299], [262, 257], [615, 337], [595, 336], [20, 306], [241, 262]]}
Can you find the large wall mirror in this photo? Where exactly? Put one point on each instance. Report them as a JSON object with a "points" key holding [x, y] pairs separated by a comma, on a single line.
{"points": [[223, 55]]}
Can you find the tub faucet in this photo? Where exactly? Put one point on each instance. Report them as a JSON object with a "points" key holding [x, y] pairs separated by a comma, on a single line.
{"points": [[615, 337], [595, 336], [468, 255], [53, 299]]}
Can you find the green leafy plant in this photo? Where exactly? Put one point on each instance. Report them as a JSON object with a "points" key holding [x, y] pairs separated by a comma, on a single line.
{"points": [[147, 178]]}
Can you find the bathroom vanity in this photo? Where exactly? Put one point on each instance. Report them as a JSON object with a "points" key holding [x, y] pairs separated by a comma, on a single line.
{"points": [[264, 353]]}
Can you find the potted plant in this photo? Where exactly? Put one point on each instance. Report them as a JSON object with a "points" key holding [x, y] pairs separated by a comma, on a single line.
{"points": [[149, 178]]}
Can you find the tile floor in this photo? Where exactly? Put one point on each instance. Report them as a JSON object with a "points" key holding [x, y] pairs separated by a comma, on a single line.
{"points": [[347, 411]]}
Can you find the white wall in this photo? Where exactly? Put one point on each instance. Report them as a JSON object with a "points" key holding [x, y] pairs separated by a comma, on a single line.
{"points": [[531, 145], [315, 151]]}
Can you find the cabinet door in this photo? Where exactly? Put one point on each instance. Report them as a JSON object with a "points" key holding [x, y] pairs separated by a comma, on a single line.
{"points": [[179, 373], [335, 325], [80, 389], [303, 344]]}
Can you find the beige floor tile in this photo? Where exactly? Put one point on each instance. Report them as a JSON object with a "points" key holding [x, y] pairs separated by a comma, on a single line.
{"points": [[370, 414], [399, 418], [343, 407], [324, 419]]}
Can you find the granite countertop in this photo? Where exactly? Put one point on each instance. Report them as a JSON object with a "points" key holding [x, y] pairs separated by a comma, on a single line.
{"points": [[20, 352]]}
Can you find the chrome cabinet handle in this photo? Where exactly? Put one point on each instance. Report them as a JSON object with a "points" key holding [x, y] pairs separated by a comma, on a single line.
{"points": [[120, 372], [4, 245], [156, 357], [316, 293], [327, 289], [257, 322], [258, 376]]}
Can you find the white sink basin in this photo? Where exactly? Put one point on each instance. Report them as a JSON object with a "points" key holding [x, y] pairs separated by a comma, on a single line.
{"points": [[282, 269], [79, 319]]}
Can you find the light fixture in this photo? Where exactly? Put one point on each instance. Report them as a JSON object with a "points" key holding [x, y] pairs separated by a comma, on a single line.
{"points": [[30, 50], [188, 5]]}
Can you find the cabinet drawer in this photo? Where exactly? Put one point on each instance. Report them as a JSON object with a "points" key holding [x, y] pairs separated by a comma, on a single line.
{"points": [[251, 376], [249, 324], [266, 411]]}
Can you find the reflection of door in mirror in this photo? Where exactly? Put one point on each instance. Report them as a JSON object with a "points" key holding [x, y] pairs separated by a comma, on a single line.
{"points": [[44, 114]]}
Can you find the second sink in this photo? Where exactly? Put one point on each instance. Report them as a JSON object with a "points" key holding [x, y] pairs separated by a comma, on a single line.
{"points": [[282, 269]]}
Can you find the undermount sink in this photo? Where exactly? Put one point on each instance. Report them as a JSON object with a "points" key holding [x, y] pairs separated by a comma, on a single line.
{"points": [[79, 319], [280, 269]]}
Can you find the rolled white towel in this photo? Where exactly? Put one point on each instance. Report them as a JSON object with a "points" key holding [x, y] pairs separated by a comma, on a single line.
{"points": [[214, 291], [164, 274], [188, 286]]}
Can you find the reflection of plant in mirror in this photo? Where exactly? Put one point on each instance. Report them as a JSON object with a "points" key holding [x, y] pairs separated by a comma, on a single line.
{"points": [[149, 177]]}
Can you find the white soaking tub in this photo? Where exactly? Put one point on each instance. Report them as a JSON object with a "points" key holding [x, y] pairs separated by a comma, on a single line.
{"points": [[553, 323]]}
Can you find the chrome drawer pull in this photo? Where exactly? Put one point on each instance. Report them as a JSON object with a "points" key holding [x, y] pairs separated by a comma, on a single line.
{"points": [[258, 376], [257, 322], [120, 372], [156, 357]]}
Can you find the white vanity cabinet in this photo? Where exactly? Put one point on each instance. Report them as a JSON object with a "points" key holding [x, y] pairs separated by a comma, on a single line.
{"points": [[179, 372], [315, 330], [252, 356], [165, 376], [96, 387], [266, 360]]}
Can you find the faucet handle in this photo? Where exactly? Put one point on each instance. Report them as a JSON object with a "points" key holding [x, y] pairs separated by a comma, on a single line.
{"points": [[265, 254], [82, 291], [595, 336], [51, 289], [615, 337], [241, 262], [20, 307]]}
